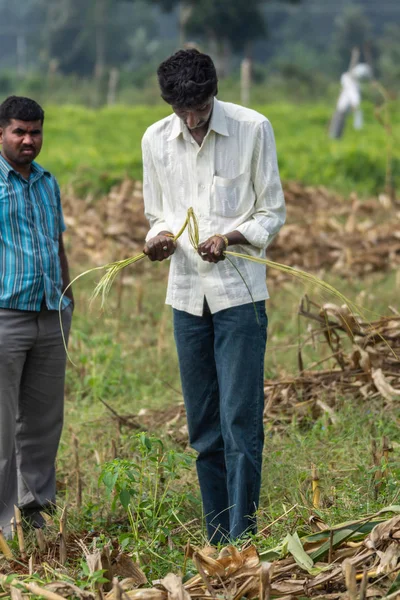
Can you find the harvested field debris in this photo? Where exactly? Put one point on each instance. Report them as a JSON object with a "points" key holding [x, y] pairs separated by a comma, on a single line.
{"points": [[324, 230], [358, 559], [360, 360], [348, 237], [108, 228], [363, 361]]}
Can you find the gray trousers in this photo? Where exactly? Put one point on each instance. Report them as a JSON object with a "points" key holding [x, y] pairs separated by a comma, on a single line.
{"points": [[32, 375]]}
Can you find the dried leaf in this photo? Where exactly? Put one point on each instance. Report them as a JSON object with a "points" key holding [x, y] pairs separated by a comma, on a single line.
{"points": [[383, 386], [126, 567], [361, 359], [382, 533], [174, 586], [389, 558]]}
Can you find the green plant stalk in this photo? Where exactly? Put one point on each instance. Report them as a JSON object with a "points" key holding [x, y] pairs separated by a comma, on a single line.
{"points": [[387, 125], [161, 501], [112, 269], [156, 487], [138, 517], [160, 457], [163, 558], [133, 524], [156, 511]]}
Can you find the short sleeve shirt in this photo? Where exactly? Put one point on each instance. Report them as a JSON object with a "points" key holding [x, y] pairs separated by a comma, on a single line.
{"points": [[31, 222]]}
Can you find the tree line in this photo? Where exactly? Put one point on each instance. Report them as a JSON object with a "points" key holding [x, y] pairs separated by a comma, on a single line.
{"points": [[297, 38]]}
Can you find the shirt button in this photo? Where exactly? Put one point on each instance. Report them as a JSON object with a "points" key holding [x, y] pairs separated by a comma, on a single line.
{"points": [[202, 186]]}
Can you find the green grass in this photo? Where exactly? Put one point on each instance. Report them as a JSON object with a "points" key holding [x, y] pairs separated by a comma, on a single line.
{"points": [[92, 149], [342, 454], [127, 358], [127, 349]]}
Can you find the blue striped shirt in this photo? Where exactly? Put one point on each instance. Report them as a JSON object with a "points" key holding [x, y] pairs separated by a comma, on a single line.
{"points": [[31, 222]]}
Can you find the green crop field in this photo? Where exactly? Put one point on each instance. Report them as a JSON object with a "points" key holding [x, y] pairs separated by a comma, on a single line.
{"points": [[92, 149]]}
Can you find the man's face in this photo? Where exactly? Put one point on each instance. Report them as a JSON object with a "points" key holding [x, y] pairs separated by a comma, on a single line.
{"points": [[22, 141], [197, 117]]}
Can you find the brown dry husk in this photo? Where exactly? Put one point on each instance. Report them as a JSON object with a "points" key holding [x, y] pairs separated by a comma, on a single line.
{"points": [[353, 560], [363, 361]]}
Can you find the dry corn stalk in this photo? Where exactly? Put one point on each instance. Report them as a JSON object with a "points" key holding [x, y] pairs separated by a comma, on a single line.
{"points": [[20, 532], [78, 476], [385, 454], [377, 460], [62, 537], [4, 547], [350, 579], [316, 490], [40, 539]]}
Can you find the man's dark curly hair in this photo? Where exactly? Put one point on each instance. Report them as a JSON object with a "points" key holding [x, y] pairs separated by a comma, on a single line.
{"points": [[23, 109], [187, 79]]}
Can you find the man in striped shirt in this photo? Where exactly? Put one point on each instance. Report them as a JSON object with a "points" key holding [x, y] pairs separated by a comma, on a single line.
{"points": [[34, 273], [220, 159]]}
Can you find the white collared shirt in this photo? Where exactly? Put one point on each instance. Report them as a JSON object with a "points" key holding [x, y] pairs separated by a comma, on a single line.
{"points": [[232, 183]]}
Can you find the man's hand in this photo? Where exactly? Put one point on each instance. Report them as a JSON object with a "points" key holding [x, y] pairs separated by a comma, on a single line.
{"points": [[212, 250], [160, 247]]}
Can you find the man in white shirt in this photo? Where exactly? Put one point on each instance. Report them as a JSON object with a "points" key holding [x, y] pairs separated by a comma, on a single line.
{"points": [[349, 99], [219, 159]]}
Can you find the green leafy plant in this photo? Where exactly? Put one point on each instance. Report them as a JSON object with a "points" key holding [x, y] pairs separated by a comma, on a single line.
{"points": [[144, 487], [90, 579]]}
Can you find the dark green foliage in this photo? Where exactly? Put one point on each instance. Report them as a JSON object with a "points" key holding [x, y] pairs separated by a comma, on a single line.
{"points": [[389, 61], [238, 22], [352, 29]]}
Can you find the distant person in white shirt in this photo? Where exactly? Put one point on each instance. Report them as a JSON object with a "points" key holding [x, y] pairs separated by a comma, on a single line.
{"points": [[349, 99], [220, 159]]}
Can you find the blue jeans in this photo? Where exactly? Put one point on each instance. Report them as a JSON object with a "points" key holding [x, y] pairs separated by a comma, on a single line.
{"points": [[221, 360]]}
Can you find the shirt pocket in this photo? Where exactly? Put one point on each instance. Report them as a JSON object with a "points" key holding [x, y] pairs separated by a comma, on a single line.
{"points": [[229, 194]]}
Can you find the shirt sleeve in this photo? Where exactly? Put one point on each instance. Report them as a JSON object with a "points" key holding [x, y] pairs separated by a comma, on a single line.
{"points": [[62, 226], [269, 210], [152, 193]]}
